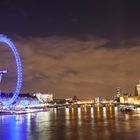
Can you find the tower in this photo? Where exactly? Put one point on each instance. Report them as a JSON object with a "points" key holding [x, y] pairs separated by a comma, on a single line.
{"points": [[137, 89], [118, 92]]}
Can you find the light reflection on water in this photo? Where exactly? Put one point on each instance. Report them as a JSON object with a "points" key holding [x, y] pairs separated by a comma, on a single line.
{"points": [[76, 123], [92, 112], [67, 116], [104, 112]]}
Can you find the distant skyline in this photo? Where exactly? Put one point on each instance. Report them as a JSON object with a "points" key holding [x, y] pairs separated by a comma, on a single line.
{"points": [[82, 48]]}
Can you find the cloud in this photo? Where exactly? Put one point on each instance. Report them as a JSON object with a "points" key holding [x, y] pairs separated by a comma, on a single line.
{"points": [[85, 67]]}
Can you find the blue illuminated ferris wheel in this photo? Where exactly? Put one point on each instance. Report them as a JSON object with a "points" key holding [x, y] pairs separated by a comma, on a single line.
{"points": [[17, 88]]}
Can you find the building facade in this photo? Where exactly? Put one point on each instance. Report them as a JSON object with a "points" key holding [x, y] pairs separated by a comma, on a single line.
{"points": [[44, 97]]}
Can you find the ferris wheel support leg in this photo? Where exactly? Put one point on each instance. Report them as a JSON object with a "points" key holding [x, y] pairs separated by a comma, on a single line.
{"points": [[0, 96]]}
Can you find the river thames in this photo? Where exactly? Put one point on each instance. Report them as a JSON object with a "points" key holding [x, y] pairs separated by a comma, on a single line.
{"points": [[84, 123]]}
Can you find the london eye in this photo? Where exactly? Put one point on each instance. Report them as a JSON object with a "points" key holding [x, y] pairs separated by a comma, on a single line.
{"points": [[16, 90]]}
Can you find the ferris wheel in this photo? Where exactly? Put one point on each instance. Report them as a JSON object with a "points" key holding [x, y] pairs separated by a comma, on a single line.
{"points": [[10, 44]]}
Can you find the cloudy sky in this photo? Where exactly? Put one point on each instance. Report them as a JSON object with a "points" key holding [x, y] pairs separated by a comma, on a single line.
{"points": [[78, 48]]}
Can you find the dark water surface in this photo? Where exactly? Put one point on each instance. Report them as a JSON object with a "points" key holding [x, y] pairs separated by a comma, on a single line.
{"points": [[72, 124]]}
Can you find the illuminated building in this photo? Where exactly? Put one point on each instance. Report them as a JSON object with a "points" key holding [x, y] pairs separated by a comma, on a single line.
{"points": [[124, 99], [44, 97], [26, 100], [97, 100], [130, 99]]}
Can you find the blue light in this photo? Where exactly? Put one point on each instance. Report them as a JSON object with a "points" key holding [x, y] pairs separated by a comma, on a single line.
{"points": [[24, 102], [13, 48]]}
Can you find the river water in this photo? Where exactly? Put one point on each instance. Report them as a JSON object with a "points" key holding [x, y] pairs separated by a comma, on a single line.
{"points": [[84, 123]]}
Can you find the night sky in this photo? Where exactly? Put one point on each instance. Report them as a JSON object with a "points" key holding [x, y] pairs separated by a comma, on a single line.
{"points": [[83, 48]]}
